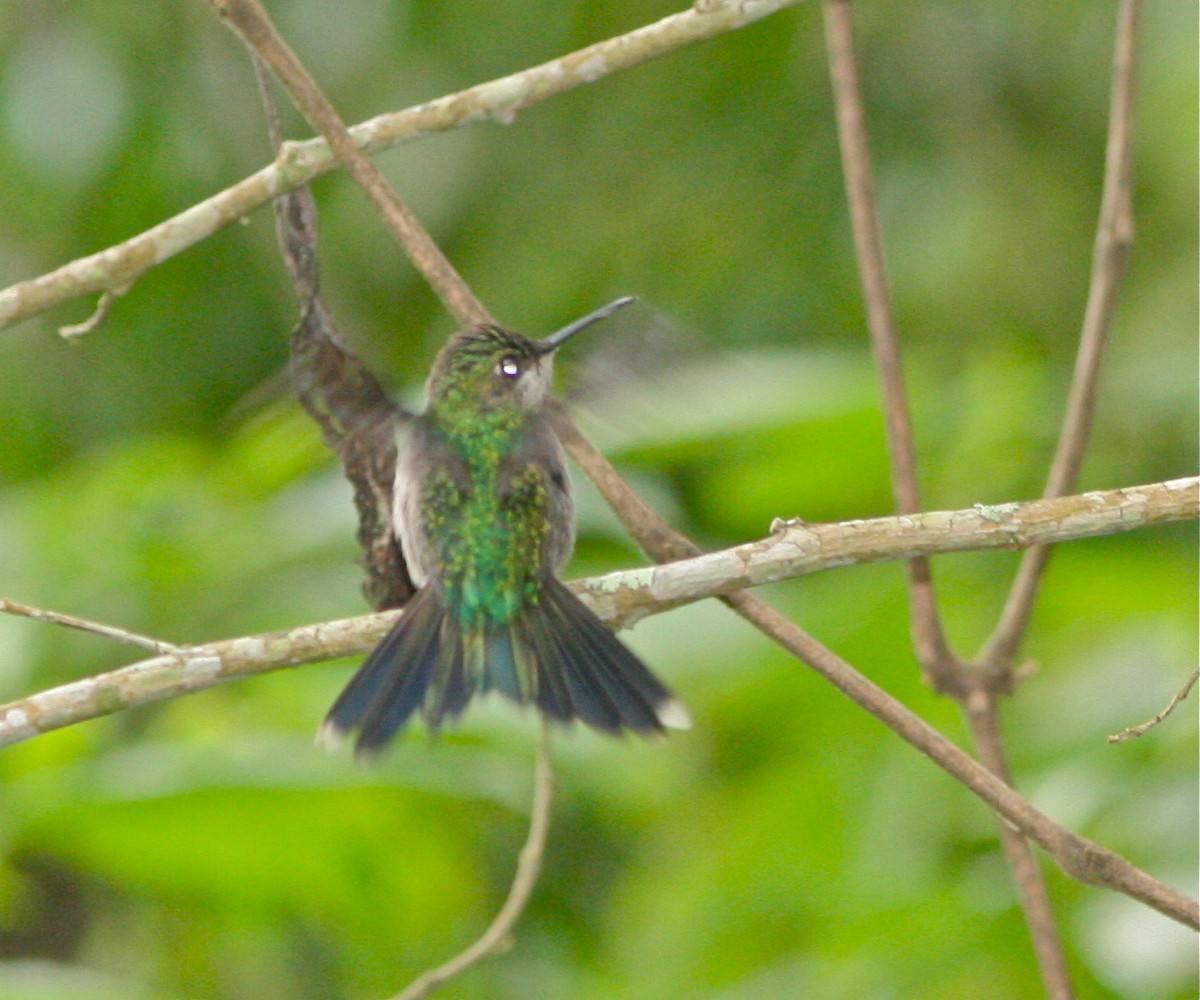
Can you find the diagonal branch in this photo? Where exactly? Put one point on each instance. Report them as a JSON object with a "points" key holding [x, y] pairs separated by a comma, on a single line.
{"points": [[251, 22], [1114, 235], [1077, 856], [117, 268]]}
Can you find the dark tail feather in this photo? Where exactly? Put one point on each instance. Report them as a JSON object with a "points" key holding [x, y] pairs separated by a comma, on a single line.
{"points": [[393, 680], [585, 672], [557, 654]]}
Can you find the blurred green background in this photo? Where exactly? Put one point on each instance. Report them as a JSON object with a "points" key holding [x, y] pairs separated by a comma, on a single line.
{"points": [[158, 476]]}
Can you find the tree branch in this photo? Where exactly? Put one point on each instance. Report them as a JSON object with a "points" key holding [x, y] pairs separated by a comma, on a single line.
{"points": [[252, 24], [1145, 727], [86, 625], [630, 595], [1077, 856], [1114, 235], [204, 666], [117, 268], [929, 640], [983, 717], [976, 685]]}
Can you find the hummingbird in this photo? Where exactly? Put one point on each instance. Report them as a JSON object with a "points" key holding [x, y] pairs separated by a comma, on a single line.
{"points": [[484, 512]]}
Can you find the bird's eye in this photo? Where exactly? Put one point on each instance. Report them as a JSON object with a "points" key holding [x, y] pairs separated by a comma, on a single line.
{"points": [[509, 367]]}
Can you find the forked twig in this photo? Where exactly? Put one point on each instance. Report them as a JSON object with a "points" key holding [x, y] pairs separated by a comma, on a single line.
{"points": [[977, 685]]}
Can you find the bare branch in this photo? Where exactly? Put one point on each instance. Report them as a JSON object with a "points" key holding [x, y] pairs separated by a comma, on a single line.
{"points": [[983, 716], [203, 666], [629, 595], [529, 866], [1145, 727], [251, 22], [800, 548], [501, 100], [84, 625], [188, 669], [929, 639], [1078, 857], [1114, 235]]}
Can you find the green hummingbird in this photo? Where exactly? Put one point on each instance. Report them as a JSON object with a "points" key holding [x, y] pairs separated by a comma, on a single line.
{"points": [[485, 517]]}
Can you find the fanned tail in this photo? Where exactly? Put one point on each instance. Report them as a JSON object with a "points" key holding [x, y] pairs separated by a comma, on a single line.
{"points": [[556, 653], [394, 680], [585, 672]]}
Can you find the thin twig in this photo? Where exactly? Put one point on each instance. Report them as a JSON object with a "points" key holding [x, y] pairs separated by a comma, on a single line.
{"points": [[502, 99], [251, 22], [84, 625], [1145, 727], [929, 639], [1114, 235], [627, 596], [73, 331], [983, 716], [529, 865]]}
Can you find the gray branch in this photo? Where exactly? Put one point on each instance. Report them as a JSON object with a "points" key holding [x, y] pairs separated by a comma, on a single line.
{"points": [[114, 270], [621, 598]]}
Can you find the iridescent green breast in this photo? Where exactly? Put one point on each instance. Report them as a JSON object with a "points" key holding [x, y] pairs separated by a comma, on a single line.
{"points": [[487, 537]]}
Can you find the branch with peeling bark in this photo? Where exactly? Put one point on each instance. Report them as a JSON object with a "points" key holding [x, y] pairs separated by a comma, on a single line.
{"points": [[204, 666], [793, 548], [629, 595], [115, 269]]}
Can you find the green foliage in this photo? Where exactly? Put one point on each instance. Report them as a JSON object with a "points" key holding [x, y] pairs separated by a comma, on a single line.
{"points": [[158, 476]]}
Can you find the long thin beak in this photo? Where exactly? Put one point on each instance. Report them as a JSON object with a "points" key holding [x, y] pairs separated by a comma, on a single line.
{"points": [[558, 338]]}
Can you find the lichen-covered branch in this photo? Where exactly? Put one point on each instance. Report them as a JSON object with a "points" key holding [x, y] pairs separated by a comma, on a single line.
{"points": [[117, 268], [192, 668], [798, 548], [1097, 513], [622, 598]]}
